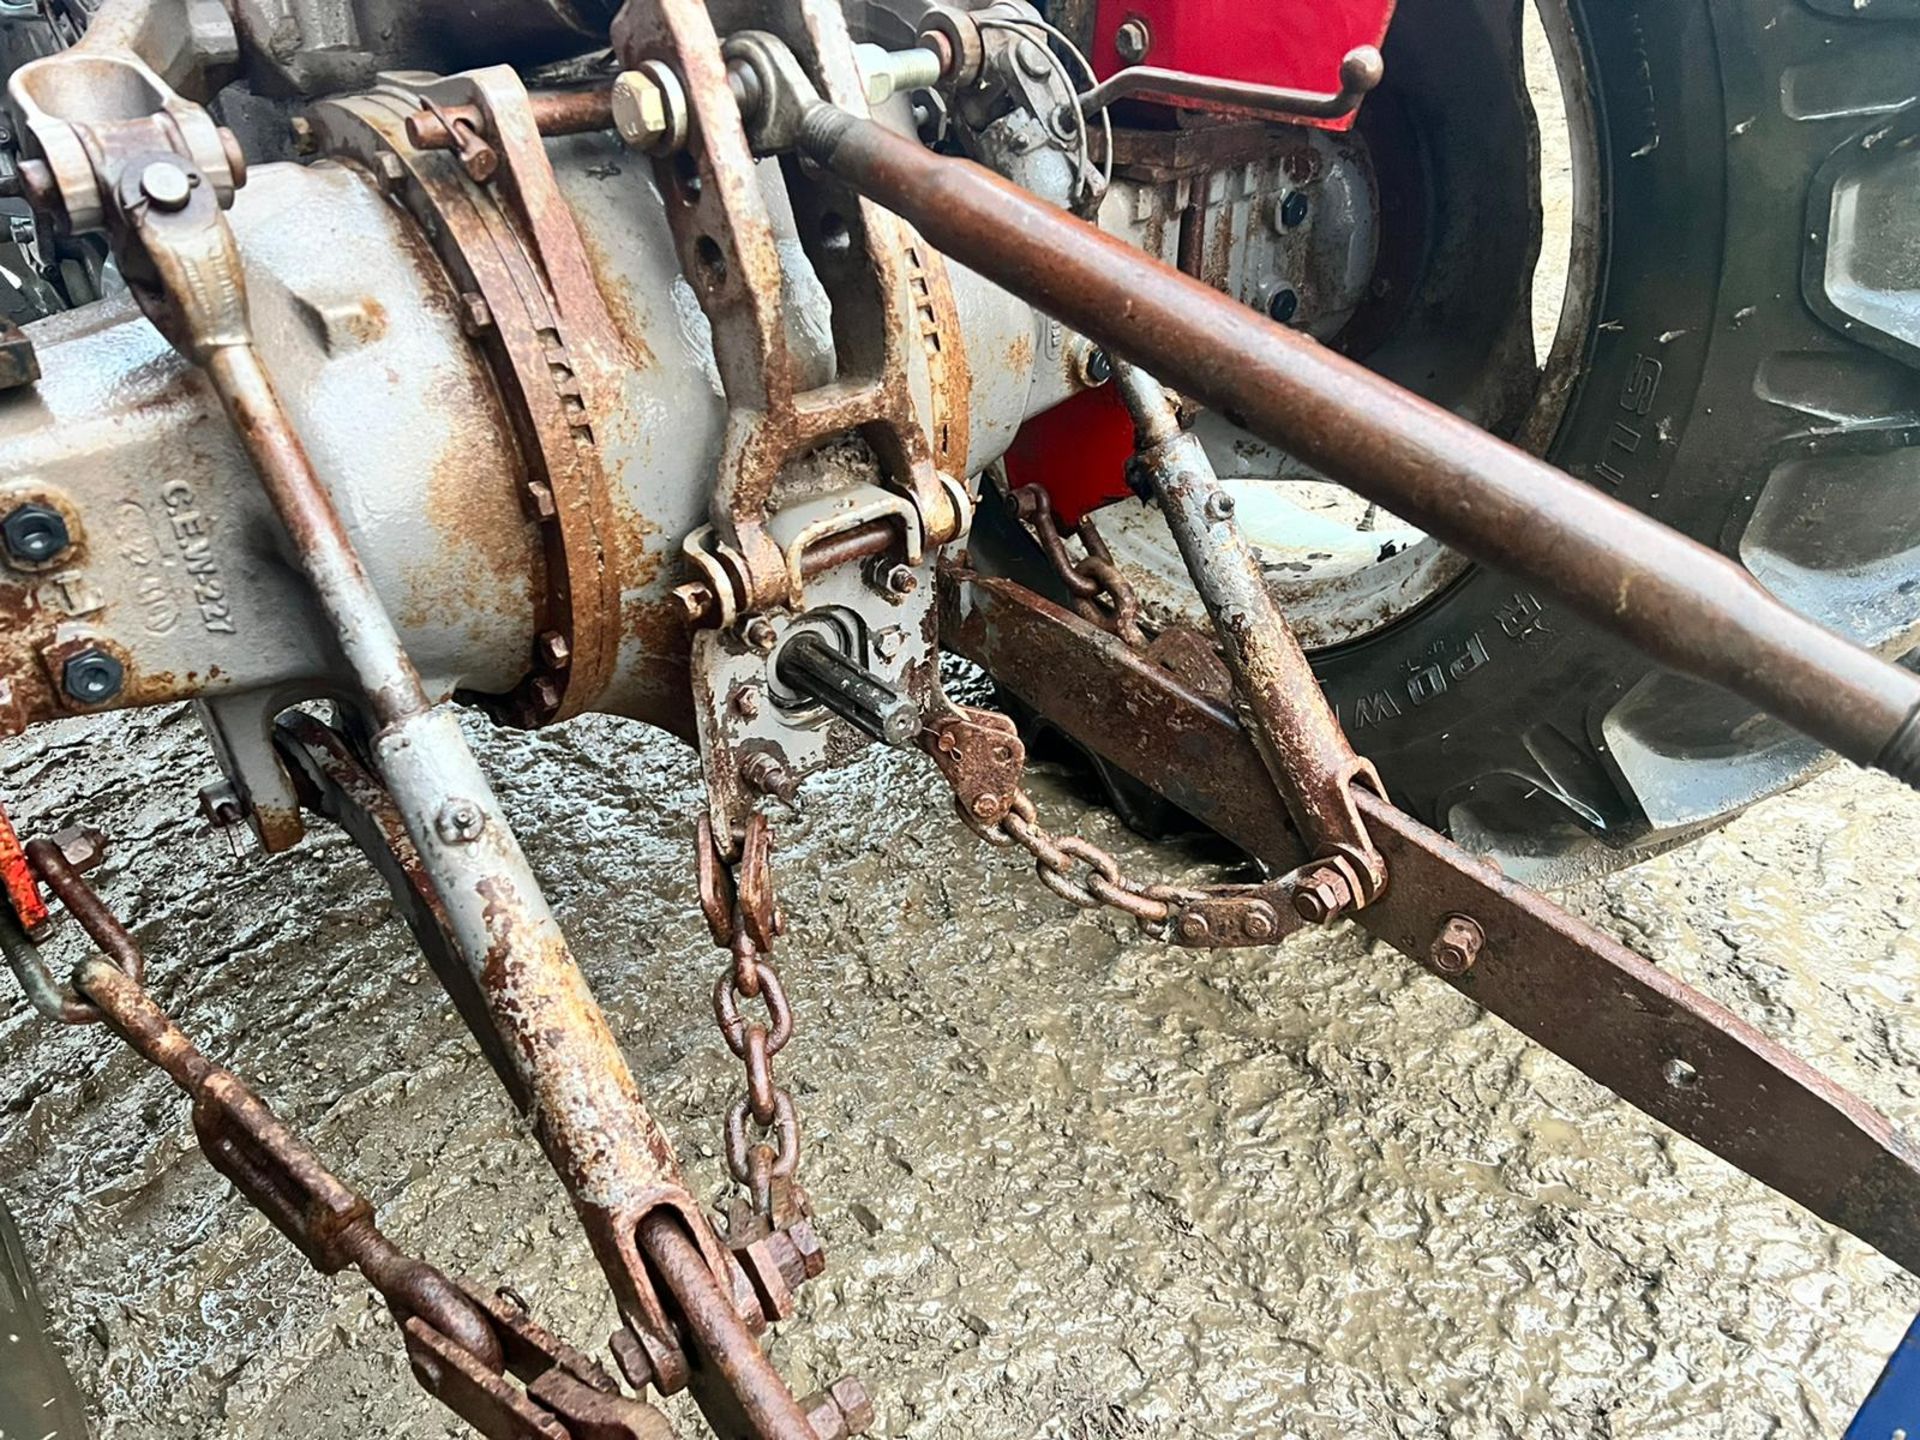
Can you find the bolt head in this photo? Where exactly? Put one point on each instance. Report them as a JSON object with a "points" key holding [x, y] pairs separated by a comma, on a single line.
{"points": [[1283, 305], [1220, 507], [92, 677], [83, 846], [1293, 209], [555, 652], [166, 185], [640, 111], [35, 534], [1193, 925], [746, 702], [1457, 946], [1033, 60], [1132, 41], [761, 635], [1259, 926]]}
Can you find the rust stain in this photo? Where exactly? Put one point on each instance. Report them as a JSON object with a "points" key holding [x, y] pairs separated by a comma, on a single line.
{"points": [[616, 291]]}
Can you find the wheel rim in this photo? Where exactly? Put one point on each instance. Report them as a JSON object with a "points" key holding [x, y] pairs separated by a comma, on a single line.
{"points": [[1343, 570]]}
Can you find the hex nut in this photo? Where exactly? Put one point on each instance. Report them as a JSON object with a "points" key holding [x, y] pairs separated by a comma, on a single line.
{"points": [[1457, 946], [92, 676], [1132, 41], [35, 534], [1322, 896]]}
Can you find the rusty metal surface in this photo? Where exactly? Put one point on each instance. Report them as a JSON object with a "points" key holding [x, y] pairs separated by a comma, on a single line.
{"points": [[554, 112], [535, 310], [462, 1346], [1688, 607], [736, 1387], [1659, 1044], [1312, 763], [726, 241], [18, 364], [333, 782]]}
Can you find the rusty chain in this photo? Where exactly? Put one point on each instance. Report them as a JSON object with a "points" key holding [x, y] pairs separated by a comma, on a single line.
{"points": [[738, 903], [1102, 594], [1079, 871], [466, 1349]]}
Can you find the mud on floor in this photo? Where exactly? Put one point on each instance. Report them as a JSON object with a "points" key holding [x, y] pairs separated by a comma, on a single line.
{"points": [[1074, 1184]]}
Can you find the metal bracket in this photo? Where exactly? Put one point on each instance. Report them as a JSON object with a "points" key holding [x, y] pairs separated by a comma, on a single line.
{"points": [[878, 287]]}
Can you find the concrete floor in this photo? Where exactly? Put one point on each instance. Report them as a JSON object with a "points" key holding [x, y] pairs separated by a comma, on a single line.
{"points": [[1074, 1184]]}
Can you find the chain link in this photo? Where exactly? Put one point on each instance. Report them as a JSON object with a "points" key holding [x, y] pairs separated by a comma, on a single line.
{"points": [[1102, 594], [1079, 871], [762, 1128]]}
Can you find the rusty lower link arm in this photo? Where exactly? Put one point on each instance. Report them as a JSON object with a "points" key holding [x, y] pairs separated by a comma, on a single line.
{"points": [[465, 1349]]}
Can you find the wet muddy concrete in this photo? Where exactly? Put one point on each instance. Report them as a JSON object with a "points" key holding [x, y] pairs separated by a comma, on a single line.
{"points": [[1074, 1184]]}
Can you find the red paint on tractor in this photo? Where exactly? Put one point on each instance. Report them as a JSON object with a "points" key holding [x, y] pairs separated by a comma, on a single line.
{"points": [[1294, 43], [1078, 451]]}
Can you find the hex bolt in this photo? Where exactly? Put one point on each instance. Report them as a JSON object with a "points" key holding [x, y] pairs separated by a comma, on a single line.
{"points": [[166, 185], [764, 773], [746, 702], [1283, 305], [891, 578], [643, 112], [92, 676], [889, 643], [459, 822], [1457, 945], [1096, 366], [554, 651], [1293, 209], [1322, 896], [35, 534], [1219, 507], [1132, 41]]}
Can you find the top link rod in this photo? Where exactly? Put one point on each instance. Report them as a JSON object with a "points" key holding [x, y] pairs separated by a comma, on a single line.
{"points": [[1685, 605]]}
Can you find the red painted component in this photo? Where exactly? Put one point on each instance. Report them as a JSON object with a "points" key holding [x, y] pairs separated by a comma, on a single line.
{"points": [[1295, 43], [21, 890], [1077, 452]]}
